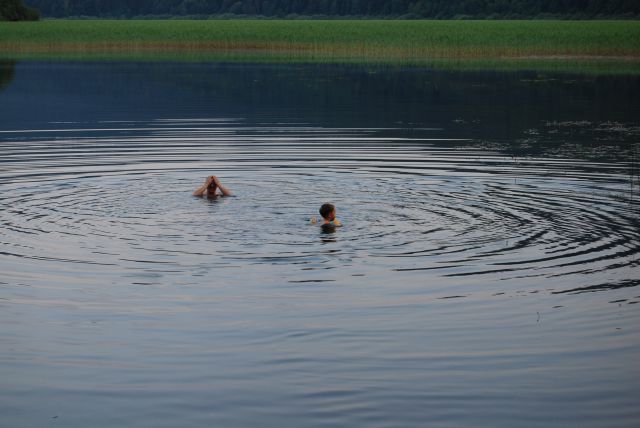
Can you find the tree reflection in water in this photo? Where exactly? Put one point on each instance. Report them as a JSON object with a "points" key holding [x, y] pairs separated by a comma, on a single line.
{"points": [[7, 73]]}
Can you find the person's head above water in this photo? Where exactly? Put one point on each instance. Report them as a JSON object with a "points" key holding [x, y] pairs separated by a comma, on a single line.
{"points": [[328, 211]]}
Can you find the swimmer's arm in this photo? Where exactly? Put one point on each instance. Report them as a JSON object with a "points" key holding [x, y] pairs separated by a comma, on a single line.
{"points": [[224, 190], [202, 190]]}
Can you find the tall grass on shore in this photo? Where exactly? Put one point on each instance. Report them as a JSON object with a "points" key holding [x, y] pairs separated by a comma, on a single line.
{"points": [[397, 42]]}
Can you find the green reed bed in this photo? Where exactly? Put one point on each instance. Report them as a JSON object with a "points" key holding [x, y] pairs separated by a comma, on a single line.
{"points": [[397, 42]]}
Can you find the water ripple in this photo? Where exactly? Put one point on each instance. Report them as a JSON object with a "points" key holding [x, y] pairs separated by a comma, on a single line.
{"points": [[118, 194]]}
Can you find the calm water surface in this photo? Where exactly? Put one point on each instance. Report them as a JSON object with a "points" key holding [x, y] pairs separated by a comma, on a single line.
{"points": [[487, 273]]}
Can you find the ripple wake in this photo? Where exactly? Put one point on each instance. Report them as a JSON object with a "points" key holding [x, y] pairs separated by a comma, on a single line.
{"points": [[114, 200]]}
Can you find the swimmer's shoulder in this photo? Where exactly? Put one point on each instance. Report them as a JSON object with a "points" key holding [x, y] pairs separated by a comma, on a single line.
{"points": [[335, 222]]}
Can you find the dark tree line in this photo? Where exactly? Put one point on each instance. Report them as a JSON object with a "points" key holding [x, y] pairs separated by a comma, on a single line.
{"points": [[14, 10], [438, 9]]}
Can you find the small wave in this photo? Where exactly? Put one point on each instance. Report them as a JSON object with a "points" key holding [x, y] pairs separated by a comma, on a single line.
{"points": [[121, 196]]}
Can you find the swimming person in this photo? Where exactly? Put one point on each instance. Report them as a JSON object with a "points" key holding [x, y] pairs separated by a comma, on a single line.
{"points": [[211, 187], [328, 213]]}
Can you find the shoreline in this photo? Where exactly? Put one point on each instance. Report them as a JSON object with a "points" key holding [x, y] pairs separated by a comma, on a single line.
{"points": [[569, 45]]}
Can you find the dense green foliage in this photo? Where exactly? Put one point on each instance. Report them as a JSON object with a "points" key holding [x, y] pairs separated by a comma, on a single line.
{"points": [[524, 37], [571, 45], [14, 10], [435, 9]]}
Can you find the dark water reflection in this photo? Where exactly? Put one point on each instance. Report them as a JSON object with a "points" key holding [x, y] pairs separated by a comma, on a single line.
{"points": [[7, 71], [486, 273]]}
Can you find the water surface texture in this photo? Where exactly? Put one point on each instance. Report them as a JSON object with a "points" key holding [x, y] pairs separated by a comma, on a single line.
{"points": [[486, 274]]}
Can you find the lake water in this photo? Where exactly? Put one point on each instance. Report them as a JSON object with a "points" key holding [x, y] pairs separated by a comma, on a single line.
{"points": [[487, 272]]}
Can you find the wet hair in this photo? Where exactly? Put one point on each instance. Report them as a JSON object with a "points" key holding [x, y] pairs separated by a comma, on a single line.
{"points": [[326, 209]]}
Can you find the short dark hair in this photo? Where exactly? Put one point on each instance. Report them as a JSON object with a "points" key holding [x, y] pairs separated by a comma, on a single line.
{"points": [[326, 209]]}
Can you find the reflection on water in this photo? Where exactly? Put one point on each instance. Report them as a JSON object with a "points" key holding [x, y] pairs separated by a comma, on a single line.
{"points": [[328, 229], [7, 71], [476, 280], [504, 107]]}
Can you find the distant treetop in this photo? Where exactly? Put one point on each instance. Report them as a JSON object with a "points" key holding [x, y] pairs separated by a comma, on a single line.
{"points": [[14, 10], [407, 9]]}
